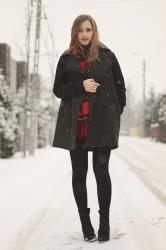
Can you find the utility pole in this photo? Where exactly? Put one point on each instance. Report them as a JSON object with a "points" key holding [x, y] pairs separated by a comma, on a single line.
{"points": [[144, 96], [35, 81], [29, 21], [143, 92]]}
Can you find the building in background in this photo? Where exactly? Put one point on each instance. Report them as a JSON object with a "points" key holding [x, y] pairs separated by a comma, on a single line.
{"points": [[13, 74], [5, 61], [32, 105], [21, 73]]}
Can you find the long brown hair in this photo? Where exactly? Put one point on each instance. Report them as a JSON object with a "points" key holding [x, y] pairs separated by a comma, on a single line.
{"points": [[74, 44]]}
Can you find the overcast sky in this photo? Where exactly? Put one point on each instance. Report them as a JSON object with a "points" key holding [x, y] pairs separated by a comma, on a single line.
{"points": [[125, 26]]}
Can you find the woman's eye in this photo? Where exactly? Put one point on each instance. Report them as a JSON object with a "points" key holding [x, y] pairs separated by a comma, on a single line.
{"points": [[87, 30]]}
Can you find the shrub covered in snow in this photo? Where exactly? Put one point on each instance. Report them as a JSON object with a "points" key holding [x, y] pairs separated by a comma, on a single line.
{"points": [[44, 123], [156, 115], [8, 123], [162, 110]]}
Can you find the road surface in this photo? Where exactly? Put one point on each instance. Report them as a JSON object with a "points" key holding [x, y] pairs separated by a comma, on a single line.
{"points": [[39, 210]]}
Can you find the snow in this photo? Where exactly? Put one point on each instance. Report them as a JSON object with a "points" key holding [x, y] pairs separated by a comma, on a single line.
{"points": [[38, 210], [27, 183]]}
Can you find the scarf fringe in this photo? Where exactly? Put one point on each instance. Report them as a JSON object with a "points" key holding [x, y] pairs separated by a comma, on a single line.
{"points": [[82, 128]]}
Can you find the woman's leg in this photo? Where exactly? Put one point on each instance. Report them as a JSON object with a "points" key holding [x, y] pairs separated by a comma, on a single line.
{"points": [[79, 160], [104, 190], [101, 170]]}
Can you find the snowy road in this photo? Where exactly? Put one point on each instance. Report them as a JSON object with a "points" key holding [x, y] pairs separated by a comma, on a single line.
{"points": [[148, 161], [38, 211]]}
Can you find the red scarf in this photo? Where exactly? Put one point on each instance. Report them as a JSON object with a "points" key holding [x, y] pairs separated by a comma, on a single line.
{"points": [[83, 115]]}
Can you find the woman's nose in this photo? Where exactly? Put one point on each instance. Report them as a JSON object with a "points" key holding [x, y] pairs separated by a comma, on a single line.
{"points": [[84, 33]]}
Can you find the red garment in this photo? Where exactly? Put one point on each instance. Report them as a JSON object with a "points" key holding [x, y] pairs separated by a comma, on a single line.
{"points": [[83, 115], [84, 65]]}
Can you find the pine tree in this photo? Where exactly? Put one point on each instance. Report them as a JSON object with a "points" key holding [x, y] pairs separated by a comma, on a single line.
{"points": [[162, 110], [152, 106], [162, 117]]}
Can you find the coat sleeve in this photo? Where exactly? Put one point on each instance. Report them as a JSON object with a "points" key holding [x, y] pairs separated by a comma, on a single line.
{"points": [[63, 88], [119, 83]]}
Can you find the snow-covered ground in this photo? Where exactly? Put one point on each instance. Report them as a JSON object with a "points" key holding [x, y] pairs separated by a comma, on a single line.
{"points": [[38, 210]]}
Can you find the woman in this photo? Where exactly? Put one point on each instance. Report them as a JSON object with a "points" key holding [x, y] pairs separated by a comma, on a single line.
{"points": [[91, 86]]}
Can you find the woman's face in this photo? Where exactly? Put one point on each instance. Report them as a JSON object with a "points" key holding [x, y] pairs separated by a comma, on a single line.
{"points": [[85, 33]]}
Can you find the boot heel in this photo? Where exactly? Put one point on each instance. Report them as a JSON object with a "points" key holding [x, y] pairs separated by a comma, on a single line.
{"points": [[87, 228], [104, 236], [104, 228]]}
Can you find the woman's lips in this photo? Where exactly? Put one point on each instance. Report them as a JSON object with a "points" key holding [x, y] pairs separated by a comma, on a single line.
{"points": [[85, 39]]}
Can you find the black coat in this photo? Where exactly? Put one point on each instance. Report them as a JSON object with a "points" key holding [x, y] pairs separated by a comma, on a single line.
{"points": [[106, 105]]}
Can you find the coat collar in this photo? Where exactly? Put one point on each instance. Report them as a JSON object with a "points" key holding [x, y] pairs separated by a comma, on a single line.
{"points": [[73, 63]]}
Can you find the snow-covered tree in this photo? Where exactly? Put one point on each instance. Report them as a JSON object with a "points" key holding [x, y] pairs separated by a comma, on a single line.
{"points": [[151, 115], [151, 109], [162, 110], [8, 123], [44, 124]]}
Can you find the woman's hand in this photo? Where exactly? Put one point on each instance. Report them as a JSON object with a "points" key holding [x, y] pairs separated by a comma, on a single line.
{"points": [[90, 85]]}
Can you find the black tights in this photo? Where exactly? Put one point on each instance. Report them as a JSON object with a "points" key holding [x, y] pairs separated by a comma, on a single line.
{"points": [[79, 160]]}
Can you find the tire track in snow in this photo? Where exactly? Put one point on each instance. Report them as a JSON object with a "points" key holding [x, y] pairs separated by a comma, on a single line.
{"points": [[31, 224], [139, 212], [142, 174], [134, 152], [26, 230]]}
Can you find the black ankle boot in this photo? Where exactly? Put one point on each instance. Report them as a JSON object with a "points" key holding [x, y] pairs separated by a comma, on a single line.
{"points": [[104, 228], [87, 228]]}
